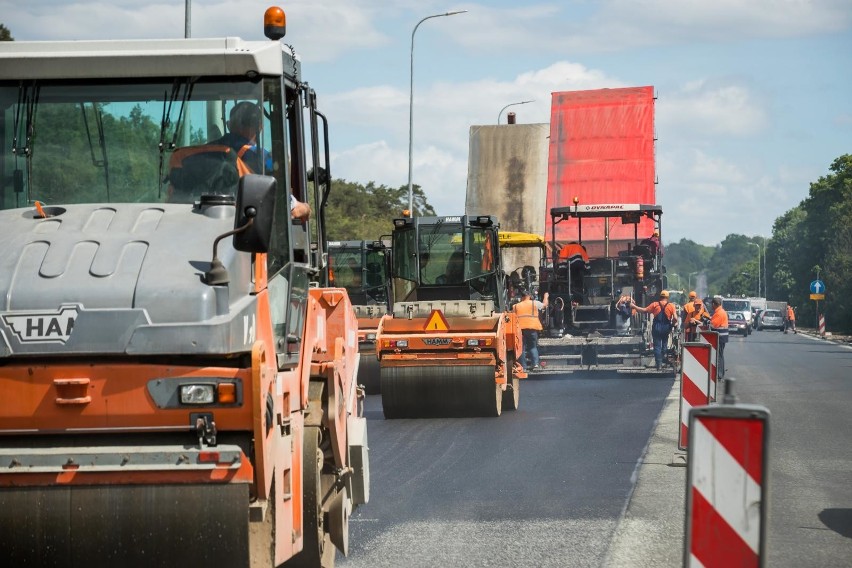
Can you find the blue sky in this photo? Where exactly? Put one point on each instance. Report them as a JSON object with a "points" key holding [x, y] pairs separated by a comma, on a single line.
{"points": [[754, 96]]}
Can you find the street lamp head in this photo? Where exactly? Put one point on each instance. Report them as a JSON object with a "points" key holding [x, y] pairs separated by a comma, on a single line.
{"points": [[454, 12], [500, 114]]}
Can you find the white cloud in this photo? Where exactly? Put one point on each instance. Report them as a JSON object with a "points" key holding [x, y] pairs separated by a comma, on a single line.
{"points": [[712, 109], [443, 115], [707, 197], [322, 30]]}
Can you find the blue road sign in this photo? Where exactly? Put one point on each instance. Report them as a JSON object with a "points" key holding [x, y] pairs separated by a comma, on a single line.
{"points": [[817, 287]]}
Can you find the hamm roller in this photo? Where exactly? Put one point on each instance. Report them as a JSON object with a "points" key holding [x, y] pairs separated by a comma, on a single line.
{"points": [[448, 348]]}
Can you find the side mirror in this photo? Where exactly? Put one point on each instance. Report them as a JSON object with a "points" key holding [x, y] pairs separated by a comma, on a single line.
{"points": [[255, 200]]}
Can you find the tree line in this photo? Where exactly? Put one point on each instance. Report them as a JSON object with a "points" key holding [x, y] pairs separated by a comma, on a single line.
{"points": [[811, 241]]}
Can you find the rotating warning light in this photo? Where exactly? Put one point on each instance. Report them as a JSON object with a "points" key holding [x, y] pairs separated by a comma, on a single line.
{"points": [[576, 200], [274, 23]]}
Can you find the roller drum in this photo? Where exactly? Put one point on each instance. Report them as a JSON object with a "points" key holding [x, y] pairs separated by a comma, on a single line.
{"points": [[125, 526], [368, 373], [440, 391]]}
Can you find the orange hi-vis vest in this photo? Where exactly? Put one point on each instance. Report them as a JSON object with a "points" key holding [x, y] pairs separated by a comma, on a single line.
{"points": [[206, 168], [573, 251], [527, 313]]}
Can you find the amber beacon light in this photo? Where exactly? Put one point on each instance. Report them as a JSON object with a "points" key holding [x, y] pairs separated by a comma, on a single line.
{"points": [[274, 23]]}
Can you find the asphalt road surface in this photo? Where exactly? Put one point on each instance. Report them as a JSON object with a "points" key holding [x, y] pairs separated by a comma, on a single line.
{"points": [[587, 471], [541, 486]]}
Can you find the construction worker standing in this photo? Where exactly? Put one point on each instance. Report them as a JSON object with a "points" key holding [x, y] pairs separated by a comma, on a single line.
{"points": [[790, 319], [664, 321], [527, 312], [719, 324], [693, 312]]}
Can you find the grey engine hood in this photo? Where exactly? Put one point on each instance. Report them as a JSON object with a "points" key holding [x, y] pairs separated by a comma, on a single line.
{"points": [[121, 278]]}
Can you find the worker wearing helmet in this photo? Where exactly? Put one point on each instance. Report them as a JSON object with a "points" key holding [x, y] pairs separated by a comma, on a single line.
{"points": [[664, 315], [693, 314]]}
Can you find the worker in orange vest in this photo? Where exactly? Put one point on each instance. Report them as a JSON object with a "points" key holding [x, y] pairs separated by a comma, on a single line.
{"points": [[693, 312], [573, 251], [664, 315], [719, 324], [527, 313], [791, 319]]}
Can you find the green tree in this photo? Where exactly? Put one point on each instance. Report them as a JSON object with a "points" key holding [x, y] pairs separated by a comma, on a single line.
{"points": [[5, 34], [828, 242], [816, 233], [366, 212]]}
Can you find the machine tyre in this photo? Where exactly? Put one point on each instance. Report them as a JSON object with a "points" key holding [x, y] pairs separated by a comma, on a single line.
{"points": [[511, 397], [317, 548], [368, 373]]}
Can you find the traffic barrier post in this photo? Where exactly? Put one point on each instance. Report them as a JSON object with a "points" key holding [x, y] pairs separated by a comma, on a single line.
{"points": [[712, 339], [694, 385], [726, 486], [822, 325]]}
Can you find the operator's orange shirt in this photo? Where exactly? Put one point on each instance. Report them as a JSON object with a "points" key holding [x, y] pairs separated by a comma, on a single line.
{"points": [[573, 249], [656, 307], [719, 319]]}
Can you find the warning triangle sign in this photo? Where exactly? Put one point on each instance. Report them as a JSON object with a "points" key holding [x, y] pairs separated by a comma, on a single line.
{"points": [[436, 322]]}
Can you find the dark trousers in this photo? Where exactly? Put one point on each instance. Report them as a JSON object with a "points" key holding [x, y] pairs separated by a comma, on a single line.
{"points": [[661, 343], [529, 358]]}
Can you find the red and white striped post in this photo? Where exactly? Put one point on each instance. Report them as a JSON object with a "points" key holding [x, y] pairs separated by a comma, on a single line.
{"points": [[694, 385], [822, 325], [726, 486], [712, 339]]}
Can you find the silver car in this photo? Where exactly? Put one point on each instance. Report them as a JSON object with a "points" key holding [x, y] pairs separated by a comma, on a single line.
{"points": [[771, 319]]}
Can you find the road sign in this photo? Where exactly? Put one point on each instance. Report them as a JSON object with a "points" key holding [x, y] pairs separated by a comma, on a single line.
{"points": [[817, 296], [817, 287]]}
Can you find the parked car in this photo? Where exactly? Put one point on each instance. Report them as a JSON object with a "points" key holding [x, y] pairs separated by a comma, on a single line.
{"points": [[738, 324], [771, 319]]}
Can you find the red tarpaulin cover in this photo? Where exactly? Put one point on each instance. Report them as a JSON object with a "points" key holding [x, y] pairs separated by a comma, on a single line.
{"points": [[602, 151]]}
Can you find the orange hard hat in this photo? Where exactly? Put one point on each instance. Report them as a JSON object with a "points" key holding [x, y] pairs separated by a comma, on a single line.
{"points": [[692, 295], [664, 294]]}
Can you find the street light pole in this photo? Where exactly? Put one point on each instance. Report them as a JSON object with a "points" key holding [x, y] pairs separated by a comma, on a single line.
{"points": [[765, 272], [499, 114], [678, 279], [758, 265], [187, 18], [411, 109]]}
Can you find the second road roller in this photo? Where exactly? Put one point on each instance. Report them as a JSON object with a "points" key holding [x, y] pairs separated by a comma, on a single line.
{"points": [[449, 346]]}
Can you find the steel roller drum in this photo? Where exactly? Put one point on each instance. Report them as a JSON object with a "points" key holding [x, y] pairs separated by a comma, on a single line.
{"points": [[125, 526], [440, 391], [368, 373]]}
